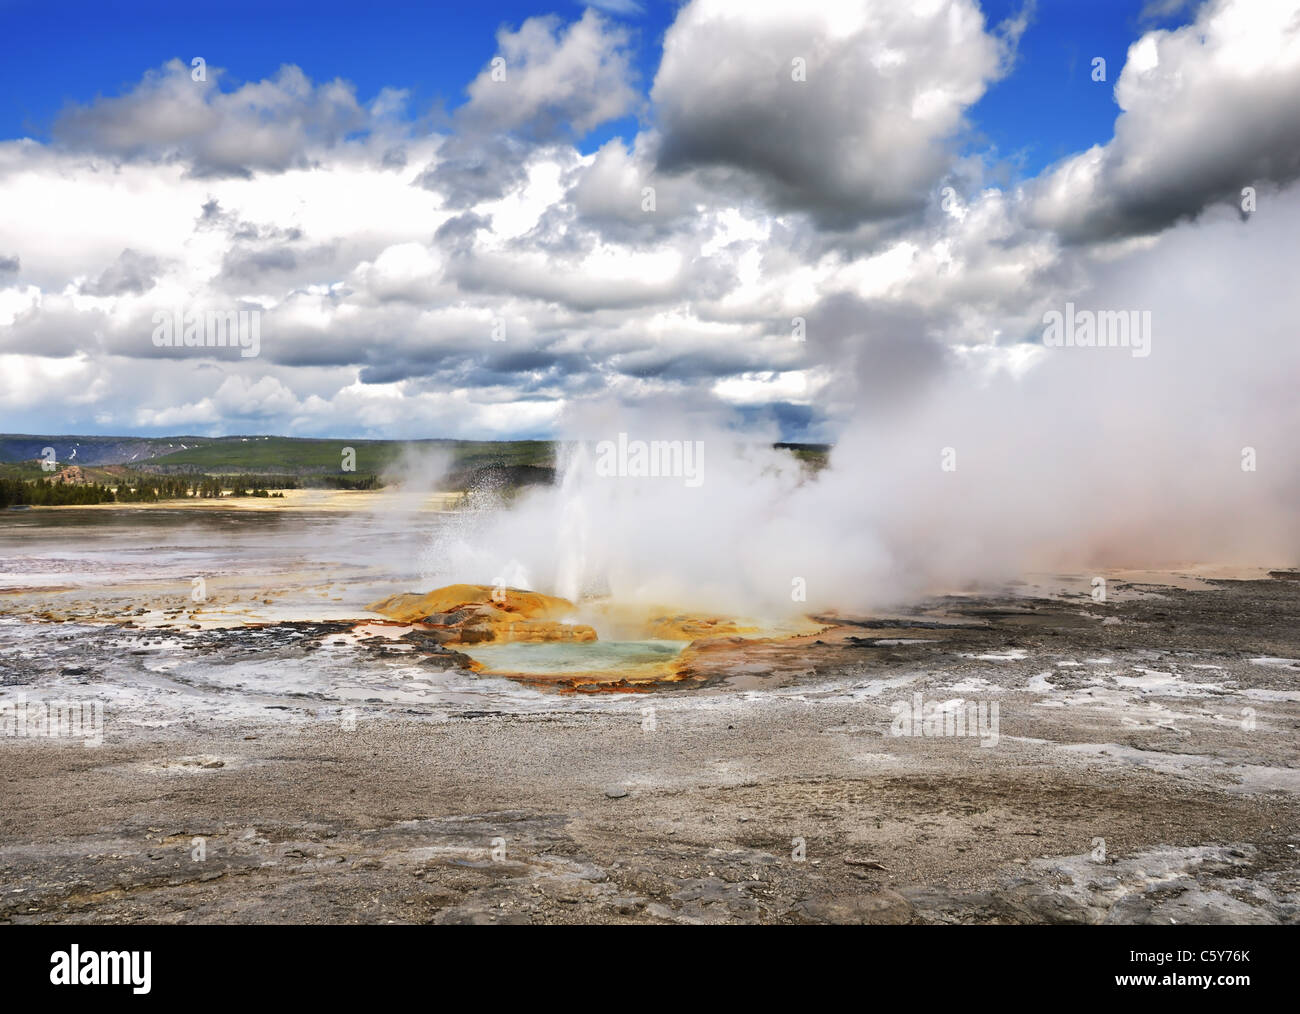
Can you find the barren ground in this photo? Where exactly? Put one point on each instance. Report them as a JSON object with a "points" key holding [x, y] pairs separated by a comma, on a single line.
{"points": [[333, 782]]}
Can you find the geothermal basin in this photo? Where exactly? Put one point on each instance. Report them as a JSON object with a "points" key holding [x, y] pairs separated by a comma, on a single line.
{"points": [[342, 764]]}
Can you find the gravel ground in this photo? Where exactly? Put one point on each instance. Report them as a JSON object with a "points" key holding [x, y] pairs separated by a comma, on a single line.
{"points": [[1144, 766]]}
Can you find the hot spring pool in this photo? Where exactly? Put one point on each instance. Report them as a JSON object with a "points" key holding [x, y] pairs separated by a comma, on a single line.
{"points": [[559, 658]]}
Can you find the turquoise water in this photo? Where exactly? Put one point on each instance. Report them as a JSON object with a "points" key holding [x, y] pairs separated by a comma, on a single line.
{"points": [[558, 657]]}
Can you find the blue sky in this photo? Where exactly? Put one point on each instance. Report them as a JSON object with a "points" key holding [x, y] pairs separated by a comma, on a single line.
{"points": [[1046, 109]]}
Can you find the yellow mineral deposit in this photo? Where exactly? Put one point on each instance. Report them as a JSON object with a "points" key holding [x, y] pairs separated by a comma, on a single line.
{"points": [[474, 613], [492, 617]]}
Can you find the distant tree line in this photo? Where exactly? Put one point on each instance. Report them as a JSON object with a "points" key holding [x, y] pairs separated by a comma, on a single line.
{"points": [[148, 488], [131, 489], [43, 493], [243, 485], [302, 478], [343, 482]]}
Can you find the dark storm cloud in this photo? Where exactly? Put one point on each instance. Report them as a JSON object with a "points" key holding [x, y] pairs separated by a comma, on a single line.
{"points": [[265, 126], [392, 371], [132, 273], [213, 216], [290, 268], [10, 264], [532, 360], [834, 122], [474, 168], [58, 332], [1203, 119], [460, 228], [686, 364], [250, 265], [523, 370]]}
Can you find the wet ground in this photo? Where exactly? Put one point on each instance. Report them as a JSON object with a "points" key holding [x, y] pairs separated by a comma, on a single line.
{"points": [[1136, 760]]}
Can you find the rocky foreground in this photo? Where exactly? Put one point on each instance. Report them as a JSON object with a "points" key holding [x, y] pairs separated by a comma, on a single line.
{"points": [[1145, 767]]}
